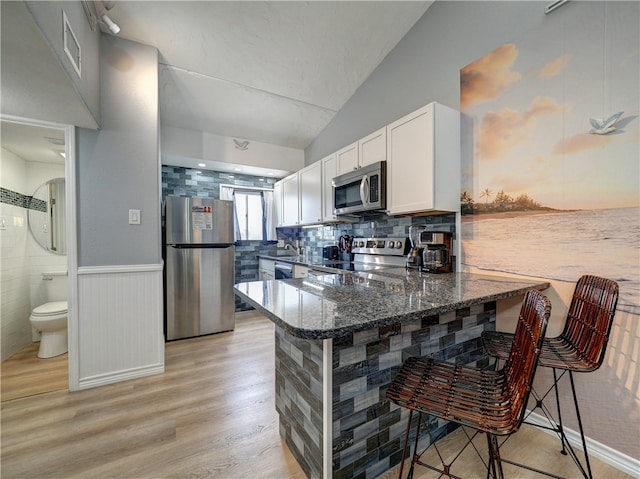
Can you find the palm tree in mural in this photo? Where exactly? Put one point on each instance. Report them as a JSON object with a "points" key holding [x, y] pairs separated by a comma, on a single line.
{"points": [[486, 193], [466, 202]]}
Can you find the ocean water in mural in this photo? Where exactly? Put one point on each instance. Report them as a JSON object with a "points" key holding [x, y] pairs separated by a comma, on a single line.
{"points": [[562, 246], [550, 174]]}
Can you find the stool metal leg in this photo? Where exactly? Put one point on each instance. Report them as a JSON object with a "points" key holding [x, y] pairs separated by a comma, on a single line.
{"points": [[406, 444], [415, 457], [584, 442], [495, 465]]}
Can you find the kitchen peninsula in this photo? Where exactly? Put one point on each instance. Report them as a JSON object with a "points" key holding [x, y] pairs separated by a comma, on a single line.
{"points": [[340, 339]]}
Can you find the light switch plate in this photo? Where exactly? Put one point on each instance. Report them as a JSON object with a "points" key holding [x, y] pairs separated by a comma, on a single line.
{"points": [[134, 217]]}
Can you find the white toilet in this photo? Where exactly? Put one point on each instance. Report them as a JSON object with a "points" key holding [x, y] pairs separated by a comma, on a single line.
{"points": [[50, 320]]}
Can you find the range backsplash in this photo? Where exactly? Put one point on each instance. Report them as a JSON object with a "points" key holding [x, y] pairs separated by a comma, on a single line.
{"points": [[192, 182]]}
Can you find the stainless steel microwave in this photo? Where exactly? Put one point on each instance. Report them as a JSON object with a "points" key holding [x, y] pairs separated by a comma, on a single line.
{"points": [[361, 191]]}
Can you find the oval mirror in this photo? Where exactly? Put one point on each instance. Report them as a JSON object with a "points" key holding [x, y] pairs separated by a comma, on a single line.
{"points": [[47, 218]]}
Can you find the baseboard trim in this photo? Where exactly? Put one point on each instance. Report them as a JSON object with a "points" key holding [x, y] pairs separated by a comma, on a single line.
{"points": [[117, 376], [614, 458]]}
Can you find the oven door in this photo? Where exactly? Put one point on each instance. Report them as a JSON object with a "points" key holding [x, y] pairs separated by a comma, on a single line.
{"points": [[283, 270], [360, 191]]}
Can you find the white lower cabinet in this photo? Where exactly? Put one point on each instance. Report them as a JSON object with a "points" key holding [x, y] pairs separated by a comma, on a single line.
{"points": [[266, 269], [300, 271], [423, 162]]}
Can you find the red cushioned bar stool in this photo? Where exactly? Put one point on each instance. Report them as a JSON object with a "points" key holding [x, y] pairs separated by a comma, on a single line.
{"points": [[579, 348]]}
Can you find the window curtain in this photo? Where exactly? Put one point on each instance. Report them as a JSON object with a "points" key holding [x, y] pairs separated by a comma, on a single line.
{"points": [[228, 193], [268, 206]]}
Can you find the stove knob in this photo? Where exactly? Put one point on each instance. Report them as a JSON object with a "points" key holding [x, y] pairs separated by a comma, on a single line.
{"points": [[399, 245], [392, 244], [361, 244]]}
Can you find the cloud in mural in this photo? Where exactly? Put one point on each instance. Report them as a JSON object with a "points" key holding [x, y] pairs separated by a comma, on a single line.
{"points": [[581, 142], [555, 67], [486, 78], [499, 132]]}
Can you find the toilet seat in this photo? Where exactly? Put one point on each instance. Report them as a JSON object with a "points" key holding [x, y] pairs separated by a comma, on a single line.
{"points": [[55, 308]]}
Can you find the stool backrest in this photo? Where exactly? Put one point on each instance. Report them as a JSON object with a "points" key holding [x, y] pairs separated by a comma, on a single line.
{"points": [[590, 318], [525, 350]]}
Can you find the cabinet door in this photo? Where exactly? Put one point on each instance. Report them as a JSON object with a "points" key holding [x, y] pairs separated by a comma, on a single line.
{"points": [[328, 173], [310, 185], [410, 170], [277, 202], [300, 271], [373, 148], [290, 204], [266, 269], [347, 158]]}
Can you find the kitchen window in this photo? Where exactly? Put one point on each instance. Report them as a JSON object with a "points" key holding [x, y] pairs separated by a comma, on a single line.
{"points": [[253, 210], [249, 215]]}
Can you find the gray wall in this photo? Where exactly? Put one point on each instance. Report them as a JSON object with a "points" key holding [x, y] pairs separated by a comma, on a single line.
{"points": [[425, 65], [119, 165], [48, 17]]}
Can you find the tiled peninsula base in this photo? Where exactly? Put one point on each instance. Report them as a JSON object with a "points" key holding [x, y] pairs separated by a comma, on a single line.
{"points": [[356, 432]]}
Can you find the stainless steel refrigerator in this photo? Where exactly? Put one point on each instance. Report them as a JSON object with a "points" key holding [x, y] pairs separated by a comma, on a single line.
{"points": [[200, 269]]}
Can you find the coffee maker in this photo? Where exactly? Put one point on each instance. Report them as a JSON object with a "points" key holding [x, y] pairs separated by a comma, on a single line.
{"points": [[436, 253], [415, 255]]}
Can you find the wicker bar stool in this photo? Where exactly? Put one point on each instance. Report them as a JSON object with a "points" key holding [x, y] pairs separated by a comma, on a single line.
{"points": [[579, 348], [488, 401]]}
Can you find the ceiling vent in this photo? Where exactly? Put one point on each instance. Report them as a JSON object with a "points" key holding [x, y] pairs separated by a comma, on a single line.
{"points": [[71, 45]]}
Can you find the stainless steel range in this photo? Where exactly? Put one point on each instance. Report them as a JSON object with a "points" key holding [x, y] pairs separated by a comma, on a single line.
{"points": [[380, 251]]}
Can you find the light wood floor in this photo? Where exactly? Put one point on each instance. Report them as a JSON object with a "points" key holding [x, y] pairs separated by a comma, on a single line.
{"points": [[25, 374], [210, 415]]}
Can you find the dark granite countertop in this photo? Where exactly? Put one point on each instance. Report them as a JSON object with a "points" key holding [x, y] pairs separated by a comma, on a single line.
{"points": [[333, 305]]}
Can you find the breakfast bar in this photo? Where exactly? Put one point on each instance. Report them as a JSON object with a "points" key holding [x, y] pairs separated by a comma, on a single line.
{"points": [[340, 339]]}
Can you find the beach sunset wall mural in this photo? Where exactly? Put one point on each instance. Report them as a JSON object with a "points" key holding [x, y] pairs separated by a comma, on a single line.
{"points": [[548, 189]]}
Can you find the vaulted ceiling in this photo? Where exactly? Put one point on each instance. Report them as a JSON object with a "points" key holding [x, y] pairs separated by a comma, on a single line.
{"points": [[275, 72]]}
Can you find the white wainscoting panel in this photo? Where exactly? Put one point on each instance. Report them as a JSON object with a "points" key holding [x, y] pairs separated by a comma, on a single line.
{"points": [[120, 323]]}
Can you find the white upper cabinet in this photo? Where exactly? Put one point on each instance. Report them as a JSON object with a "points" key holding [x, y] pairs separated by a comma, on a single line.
{"points": [[423, 169], [329, 172], [290, 201], [373, 148], [310, 185], [370, 149], [347, 159], [277, 201]]}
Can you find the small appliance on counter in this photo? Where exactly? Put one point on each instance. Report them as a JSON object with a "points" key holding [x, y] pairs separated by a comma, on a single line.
{"points": [[345, 246], [436, 254], [331, 252], [415, 256]]}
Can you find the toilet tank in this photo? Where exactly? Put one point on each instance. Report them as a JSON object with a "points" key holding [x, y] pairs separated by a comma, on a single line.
{"points": [[55, 285]]}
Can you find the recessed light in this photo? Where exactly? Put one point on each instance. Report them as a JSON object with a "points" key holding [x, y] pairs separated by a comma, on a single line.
{"points": [[201, 165], [237, 169], [269, 173]]}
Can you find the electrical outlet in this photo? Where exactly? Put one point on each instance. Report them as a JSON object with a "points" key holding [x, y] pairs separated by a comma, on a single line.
{"points": [[134, 217], [3, 223], [280, 243]]}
